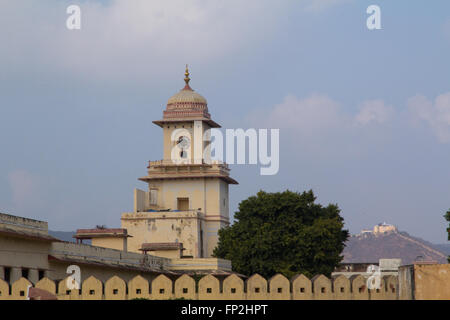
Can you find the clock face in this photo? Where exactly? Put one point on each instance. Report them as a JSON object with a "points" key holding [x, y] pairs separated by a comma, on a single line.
{"points": [[183, 142]]}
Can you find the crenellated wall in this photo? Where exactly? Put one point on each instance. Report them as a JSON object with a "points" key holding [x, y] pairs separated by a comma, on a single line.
{"points": [[210, 287]]}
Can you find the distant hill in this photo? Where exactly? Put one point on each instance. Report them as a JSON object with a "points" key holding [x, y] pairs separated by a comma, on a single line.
{"points": [[445, 248], [370, 247], [63, 235]]}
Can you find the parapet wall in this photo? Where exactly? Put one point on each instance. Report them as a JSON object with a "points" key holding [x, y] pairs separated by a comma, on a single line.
{"points": [[95, 253], [211, 288], [23, 224]]}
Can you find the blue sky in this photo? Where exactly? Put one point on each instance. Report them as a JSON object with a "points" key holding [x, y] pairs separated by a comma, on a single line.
{"points": [[364, 116]]}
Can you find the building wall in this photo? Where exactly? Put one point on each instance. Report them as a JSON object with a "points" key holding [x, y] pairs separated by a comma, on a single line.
{"points": [[16, 252], [384, 228], [58, 271], [432, 282], [23, 224], [17, 255], [406, 282], [168, 130], [199, 264], [197, 231], [208, 287], [110, 242], [154, 227]]}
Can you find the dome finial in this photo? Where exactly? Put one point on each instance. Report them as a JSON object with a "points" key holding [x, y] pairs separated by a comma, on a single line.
{"points": [[187, 79]]}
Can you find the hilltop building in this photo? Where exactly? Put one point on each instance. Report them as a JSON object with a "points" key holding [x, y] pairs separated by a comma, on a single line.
{"points": [[384, 227], [379, 229]]}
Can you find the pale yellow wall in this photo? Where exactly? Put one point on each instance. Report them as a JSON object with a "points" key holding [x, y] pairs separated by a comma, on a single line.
{"points": [[233, 288], [212, 229], [168, 129], [141, 200], [199, 264], [432, 282], [322, 288], [110, 242], [256, 288], [110, 258], [58, 271], [23, 224], [279, 288], [184, 286], [209, 196], [155, 227], [18, 254], [170, 254], [342, 288], [138, 287], [208, 288], [301, 288], [167, 134], [115, 289]]}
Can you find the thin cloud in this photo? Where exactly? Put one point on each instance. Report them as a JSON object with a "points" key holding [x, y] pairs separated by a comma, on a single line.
{"points": [[373, 111], [435, 114], [319, 113], [316, 112], [24, 189], [139, 38], [320, 5]]}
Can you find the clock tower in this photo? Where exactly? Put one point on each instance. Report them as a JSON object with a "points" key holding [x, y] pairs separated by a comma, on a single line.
{"points": [[186, 202]]}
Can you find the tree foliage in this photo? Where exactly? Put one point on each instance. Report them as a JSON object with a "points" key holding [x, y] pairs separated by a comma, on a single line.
{"points": [[284, 232]]}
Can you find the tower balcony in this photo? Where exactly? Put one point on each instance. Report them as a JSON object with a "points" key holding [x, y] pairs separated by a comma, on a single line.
{"points": [[187, 162], [188, 168]]}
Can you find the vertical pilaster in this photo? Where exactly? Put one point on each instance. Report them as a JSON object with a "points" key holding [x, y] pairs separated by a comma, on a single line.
{"points": [[33, 276], [16, 274]]}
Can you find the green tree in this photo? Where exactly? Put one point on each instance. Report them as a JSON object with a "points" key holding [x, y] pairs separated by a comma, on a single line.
{"points": [[447, 217], [284, 232]]}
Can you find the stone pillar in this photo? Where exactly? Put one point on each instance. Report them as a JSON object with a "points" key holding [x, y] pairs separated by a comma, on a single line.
{"points": [[16, 274], [47, 274], [33, 276], [2, 273]]}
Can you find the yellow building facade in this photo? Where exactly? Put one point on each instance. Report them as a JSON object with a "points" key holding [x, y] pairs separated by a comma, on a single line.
{"points": [[186, 202]]}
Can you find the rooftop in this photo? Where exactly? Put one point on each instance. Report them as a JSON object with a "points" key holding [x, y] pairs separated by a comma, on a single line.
{"points": [[100, 233]]}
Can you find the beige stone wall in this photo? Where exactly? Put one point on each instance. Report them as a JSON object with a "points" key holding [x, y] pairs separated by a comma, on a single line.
{"points": [[406, 280], [152, 227], [432, 282], [24, 252], [208, 287], [58, 271], [110, 242], [168, 129], [102, 264], [199, 264], [197, 228], [23, 224]]}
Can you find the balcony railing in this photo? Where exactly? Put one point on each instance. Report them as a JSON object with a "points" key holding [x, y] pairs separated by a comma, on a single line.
{"points": [[170, 162]]}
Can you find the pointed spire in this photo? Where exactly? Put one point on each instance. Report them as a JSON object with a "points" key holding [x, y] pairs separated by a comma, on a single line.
{"points": [[187, 79]]}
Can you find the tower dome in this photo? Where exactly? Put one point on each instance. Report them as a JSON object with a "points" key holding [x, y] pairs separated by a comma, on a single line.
{"points": [[187, 103]]}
